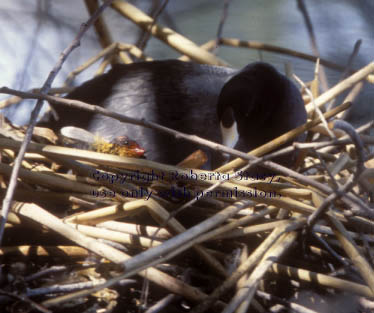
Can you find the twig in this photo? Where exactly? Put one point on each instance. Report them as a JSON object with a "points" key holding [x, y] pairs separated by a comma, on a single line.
{"points": [[296, 308], [243, 297], [170, 37], [35, 113], [142, 42], [348, 67], [330, 250], [25, 299], [346, 127], [342, 86], [316, 109], [349, 246], [322, 280], [101, 27], [39, 215], [351, 182], [309, 26], [162, 304], [15, 99], [222, 21], [63, 288], [250, 44], [246, 266]]}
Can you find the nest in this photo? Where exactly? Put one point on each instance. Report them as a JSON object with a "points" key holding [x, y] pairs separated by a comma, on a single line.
{"points": [[94, 231]]}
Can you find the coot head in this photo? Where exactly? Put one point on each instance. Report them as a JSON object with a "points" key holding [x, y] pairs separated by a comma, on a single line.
{"points": [[187, 97], [257, 105]]}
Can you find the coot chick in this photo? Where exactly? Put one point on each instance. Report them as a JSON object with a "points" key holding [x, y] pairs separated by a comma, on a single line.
{"points": [[83, 139], [184, 96]]}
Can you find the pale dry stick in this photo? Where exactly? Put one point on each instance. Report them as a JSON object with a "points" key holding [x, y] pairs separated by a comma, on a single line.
{"points": [[101, 28], [101, 69], [248, 265], [38, 251], [115, 47], [314, 85], [347, 83], [182, 240], [135, 229], [191, 202], [134, 207], [243, 256], [316, 109], [88, 174], [107, 213], [129, 240], [253, 229], [133, 50], [287, 305], [243, 297], [219, 232], [164, 218], [170, 37], [349, 246], [251, 44], [209, 46], [39, 215], [240, 284], [103, 53], [35, 113], [48, 180], [322, 280]]}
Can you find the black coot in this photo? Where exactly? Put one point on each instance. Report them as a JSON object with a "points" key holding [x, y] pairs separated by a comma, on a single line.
{"points": [[184, 96]]}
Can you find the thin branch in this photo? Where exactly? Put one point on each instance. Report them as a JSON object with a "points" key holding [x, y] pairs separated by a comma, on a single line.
{"points": [[222, 21], [309, 26], [35, 113], [338, 193], [146, 35]]}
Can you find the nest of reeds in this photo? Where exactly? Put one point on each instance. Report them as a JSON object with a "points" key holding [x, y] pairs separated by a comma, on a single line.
{"points": [[95, 231]]}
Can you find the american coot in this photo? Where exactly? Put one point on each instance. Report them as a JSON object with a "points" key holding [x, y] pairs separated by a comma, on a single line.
{"points": [[184, 96]]}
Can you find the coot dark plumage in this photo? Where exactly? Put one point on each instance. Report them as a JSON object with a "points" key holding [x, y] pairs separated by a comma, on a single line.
{"points": [[184, 96]]}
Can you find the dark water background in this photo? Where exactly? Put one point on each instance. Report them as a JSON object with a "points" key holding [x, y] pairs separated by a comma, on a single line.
{"points": [[33, 33]]}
